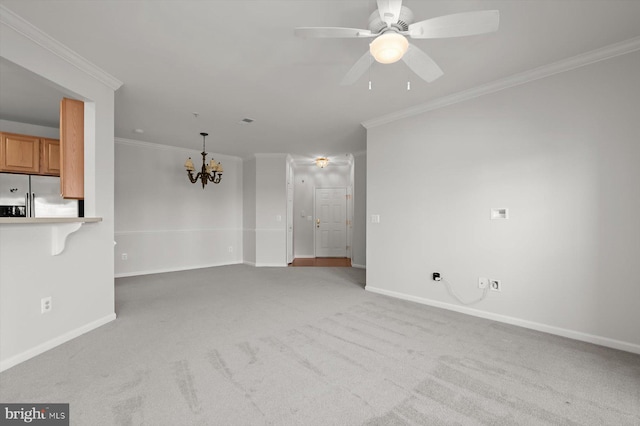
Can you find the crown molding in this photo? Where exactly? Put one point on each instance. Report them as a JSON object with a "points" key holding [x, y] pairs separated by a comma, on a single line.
{"points": [[30, 31], [157, 146], [607, 52], [270, 155]]}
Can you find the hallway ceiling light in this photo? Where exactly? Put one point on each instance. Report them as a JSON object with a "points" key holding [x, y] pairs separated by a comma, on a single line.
{"points": [[322, 162], [211, 172]]}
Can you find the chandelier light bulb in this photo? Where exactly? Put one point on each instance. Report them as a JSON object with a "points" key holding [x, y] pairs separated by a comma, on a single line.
{"points": [[388, 48]]}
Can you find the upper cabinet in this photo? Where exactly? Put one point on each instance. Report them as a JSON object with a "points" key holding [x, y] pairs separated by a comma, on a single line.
{"points": [[19, 153], [29, 155], [50, 157], [72, 148]]}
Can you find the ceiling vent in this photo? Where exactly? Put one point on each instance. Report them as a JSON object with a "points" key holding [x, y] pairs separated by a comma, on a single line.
{"points": [[247, 120]]}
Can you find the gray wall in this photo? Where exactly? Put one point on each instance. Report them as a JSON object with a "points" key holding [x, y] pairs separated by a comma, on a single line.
{"points": [[163, 222], [249, 211], [29, 129], [562, 154], [359, 254], [271, 209]]}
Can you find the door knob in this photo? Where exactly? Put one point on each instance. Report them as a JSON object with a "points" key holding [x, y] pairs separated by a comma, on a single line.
{"points": [[317, 223]]}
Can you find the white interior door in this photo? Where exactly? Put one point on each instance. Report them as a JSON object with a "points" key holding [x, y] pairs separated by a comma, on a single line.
{"points": [[331, 223]]}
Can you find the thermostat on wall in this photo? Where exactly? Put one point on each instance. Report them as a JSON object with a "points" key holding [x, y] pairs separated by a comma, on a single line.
{"points": [[499, 214]]}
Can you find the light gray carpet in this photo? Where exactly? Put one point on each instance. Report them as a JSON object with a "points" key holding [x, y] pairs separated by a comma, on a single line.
{"points": [[238, 345]]}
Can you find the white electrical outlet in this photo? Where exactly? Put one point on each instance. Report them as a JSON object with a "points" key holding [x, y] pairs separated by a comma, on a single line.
{"points": [[125, 256], [483, 282], [495, 285], [45, 305]]}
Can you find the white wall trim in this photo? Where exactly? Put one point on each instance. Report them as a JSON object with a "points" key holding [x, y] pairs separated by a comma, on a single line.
{"points": [[166, 231], [355, 265], [304, 256], [24, 27], [186, 151], [176, 269], [571, 334], [57, 341], [246, 262], [564, 65]]}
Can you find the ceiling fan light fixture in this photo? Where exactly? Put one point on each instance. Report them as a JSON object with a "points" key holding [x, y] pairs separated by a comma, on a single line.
{"points": [[389, 47]]}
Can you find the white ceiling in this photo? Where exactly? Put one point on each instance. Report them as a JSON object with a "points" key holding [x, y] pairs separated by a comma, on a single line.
{"points": [[228, 60]]}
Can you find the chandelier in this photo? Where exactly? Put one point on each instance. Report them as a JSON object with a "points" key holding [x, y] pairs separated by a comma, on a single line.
{"points": [[211, 172]]}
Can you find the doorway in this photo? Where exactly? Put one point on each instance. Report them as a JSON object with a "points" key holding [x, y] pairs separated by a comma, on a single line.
{"points": [[330, 222]]}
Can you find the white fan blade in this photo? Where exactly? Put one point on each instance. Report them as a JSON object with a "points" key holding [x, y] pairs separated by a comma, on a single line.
{"points": [[389, 11], [332, 32], [357, 69], [422, 64], [457, 25]]}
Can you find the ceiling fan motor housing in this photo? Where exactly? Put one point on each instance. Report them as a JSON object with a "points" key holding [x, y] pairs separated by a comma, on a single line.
{"points": [[376, 24]]}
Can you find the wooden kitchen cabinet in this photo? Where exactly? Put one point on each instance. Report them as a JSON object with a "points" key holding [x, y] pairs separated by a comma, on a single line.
{"points": [[72, 148], [29, 155], [50, 157], [19, 153]]}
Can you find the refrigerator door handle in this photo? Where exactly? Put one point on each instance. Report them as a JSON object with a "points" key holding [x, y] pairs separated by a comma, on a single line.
{"points": [[27, 205], [33, 204]]}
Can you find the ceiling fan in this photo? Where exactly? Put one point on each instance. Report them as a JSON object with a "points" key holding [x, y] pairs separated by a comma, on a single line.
{"points": [[390, 26]]}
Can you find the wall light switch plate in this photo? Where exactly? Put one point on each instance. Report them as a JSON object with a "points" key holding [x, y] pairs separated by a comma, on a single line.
{"points": [[499, 214]]}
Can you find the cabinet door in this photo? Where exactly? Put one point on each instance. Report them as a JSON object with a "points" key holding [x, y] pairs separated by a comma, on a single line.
{"points": [[19, 153], [72, 148], [50, 157]]}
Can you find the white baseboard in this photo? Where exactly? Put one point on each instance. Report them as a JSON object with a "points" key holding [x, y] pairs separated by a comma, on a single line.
{"points": [[304, 256], [246, 262], [571, 334], [174, 269], [57, 341], [271, 265], [355, 265]]}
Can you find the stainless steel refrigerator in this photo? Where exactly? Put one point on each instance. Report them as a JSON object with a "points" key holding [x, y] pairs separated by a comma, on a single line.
{"points": [[34, 196]]}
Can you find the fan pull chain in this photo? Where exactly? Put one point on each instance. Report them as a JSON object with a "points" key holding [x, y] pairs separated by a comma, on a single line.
{"points": [[370, 65]]}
